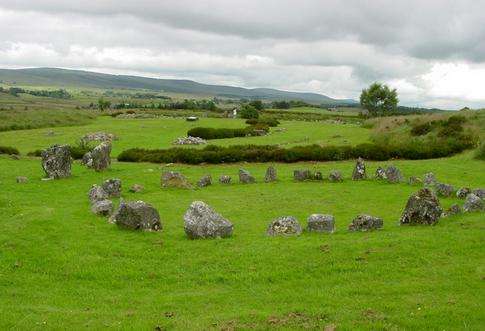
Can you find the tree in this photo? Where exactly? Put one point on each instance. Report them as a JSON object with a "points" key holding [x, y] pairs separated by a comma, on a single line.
{"points": [[248, 111], [379, 99], [103, 104], [258, 104]]}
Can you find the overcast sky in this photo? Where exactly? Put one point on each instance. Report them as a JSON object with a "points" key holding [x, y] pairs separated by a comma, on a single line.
{"points": [[432, 51]]}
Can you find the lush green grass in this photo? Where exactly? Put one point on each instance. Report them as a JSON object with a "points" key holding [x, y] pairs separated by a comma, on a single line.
{"points": [[160, 133], [61, 267]]}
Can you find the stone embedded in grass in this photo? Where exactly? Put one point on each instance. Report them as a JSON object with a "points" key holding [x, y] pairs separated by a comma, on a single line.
{"points": [[99, 158], [321, 223], [463, 192], [453, 210], [429, 179], [318, 175], [189, 141], [201, 221], [245, 177], [21, 179], [136, 188], [99, 136], [359, 170], [56, 161], [480, 192], [444, 190], [422, 207], [271, 175], [224, 179], [205, 181], [473, 203], [284, 226], [137, 215], [413, 180], [335, 176], [302, 175], [174, 179], [380, 173], [365, 223], [393, 174], [97, 193], [102, 207], [112, 187]]}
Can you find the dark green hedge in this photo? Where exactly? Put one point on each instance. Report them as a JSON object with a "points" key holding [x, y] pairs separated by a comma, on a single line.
{"points": [[221, 133], [8, 150]]}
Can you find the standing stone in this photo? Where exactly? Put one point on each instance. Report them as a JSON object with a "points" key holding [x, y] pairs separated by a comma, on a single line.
{"points": [[112, 187], [136, 188], [22, 179], [301, 175], [463, 192], [480, 192], [99, 158], [444, 190], [473, 203], [224, 179], [201, 221], [359, 170], [393, 175], [413, 180], [321, 223], [137, 215], [56, 161], [453, 210], [429, 179], [284, 226], [365, 223], [380, 173], [245, 177], [102, 207], [174, 179], [205, 181], [97, 193], [335, 176], [271, 175], [422, 207]]}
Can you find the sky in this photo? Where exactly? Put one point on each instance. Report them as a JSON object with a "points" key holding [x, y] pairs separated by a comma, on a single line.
{"points": [[432, 52]]}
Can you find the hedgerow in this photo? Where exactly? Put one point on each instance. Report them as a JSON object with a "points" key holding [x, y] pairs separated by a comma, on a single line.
{"points": [[8, 150], [221, 133]]}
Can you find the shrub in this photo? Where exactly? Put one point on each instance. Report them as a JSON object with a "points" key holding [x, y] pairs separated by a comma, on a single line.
{"points": [[422, 129], [273, 122], [480, 152], [8, 150], [222, 133], [248, 111], [81, 148]]}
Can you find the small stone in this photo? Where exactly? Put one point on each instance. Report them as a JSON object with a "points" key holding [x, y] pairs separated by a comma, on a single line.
{"points": [[321, 223], [284, 226], [205, 181], [56, 161], [174, 179], [463, 192], [318, 175], [136, 188], [245, 177], [14, 157], [413, 180], [224, 179], [137, 215], [473, 203], [97, 193], [22, 179], [335, 176], [102, 207], [302, 175], [365, 223], [380, 173], [359, 170], [444, 190], [422, 207], [453, 210], [201, 221], [480, 192], [429, 179], [271, 175], [393, 175], [112, 187]]}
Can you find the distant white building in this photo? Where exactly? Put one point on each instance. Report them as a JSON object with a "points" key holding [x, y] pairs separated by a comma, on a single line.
{"points": [[234, 113]]}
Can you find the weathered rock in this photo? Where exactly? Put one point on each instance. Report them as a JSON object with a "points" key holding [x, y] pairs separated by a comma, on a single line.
{"points": [[321, 223], [15, 157], [245, 177], [284, 226], [335, 176], [473, 203], [97, 193], [205, 181], [301, 175], [444, 190], [174, 179], [56, 161], [99, 136], [112, 187], [480, 192], [21, 179], [422, 207], [224, 179], [359, 170], [271, 175], [99, 158], [463, 192], [453, 210], [102, 207], [413, 180], [189, 141], [393, 174], [201, 221], [136, 188], [365, 223], [429, 179], [137, 215], [318, 175], [380, 173]]}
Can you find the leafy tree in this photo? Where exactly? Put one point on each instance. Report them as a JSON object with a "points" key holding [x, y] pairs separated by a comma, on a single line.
{"points": [[379, 99], [281, 104], [103, 104], [258, 104], [248, 111]]}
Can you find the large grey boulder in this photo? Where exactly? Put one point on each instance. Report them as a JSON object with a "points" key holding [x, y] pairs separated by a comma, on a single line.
{"points": [[245, 177], [366, 223], [201, 221], [359, 170], [393, 175], [112, 187], [463, 192], [137, 215], [205, 181], [174, 179], [225, 179], [444, 190], [429, 179], [335, 176], [99, 158], [56, 161], [97, 193], [321, 223], [271, 175], [284, 226], [473, 203], [480, 192], [380, 173], [302, 175], [102, 207], [422, 207]]}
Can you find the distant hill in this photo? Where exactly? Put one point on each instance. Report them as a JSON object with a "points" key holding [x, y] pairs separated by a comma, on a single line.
{"points": [[77, 78]]}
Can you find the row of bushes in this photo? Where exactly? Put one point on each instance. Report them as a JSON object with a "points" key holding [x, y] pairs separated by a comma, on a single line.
{"points": [[266, 153], [8, 150], [272, 122], [221, 133]]}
